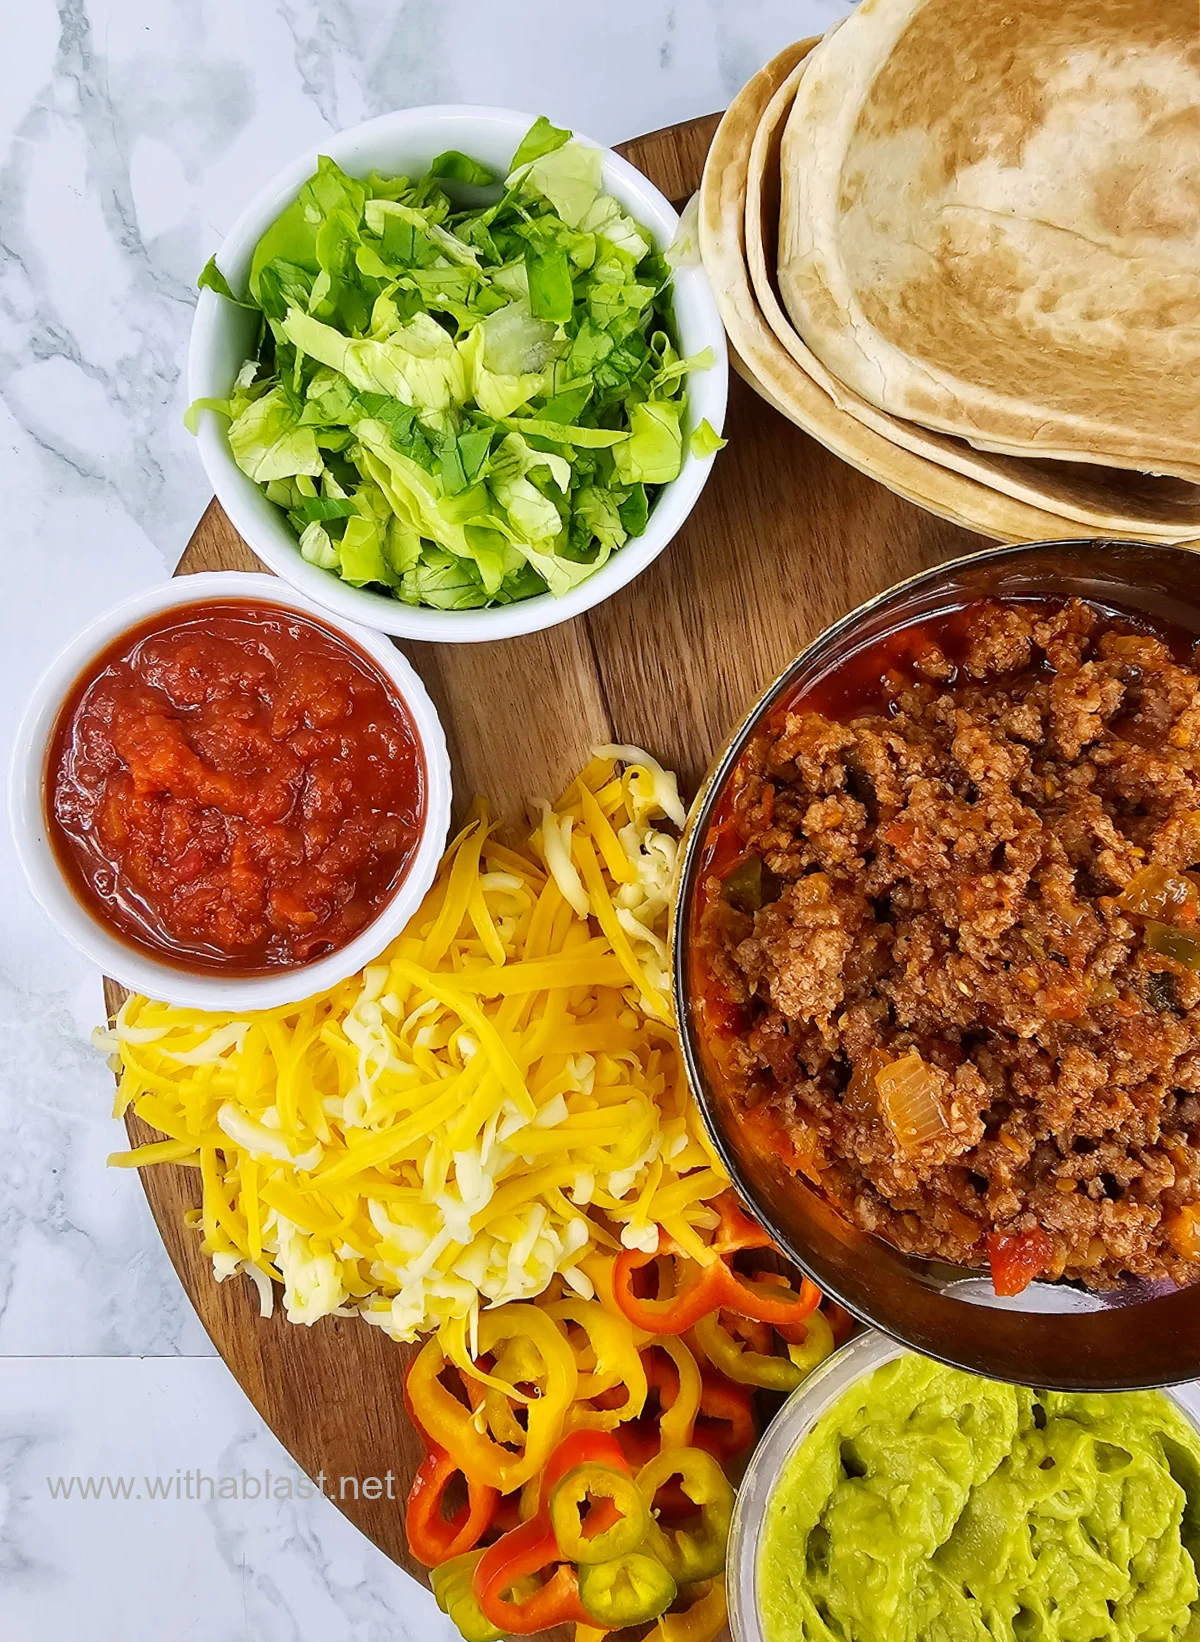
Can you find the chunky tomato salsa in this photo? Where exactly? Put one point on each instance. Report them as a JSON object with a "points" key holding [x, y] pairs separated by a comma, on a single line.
{"points": [[235, 787]]}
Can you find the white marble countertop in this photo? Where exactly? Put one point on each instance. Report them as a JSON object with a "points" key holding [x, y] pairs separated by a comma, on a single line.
{"points": [[131, 133]]}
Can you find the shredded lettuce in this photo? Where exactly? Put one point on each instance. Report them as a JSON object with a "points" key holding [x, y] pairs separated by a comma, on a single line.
{"points": [[464, 392], [705, 440]]}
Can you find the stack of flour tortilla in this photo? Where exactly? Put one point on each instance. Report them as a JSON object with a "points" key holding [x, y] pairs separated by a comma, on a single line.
{"points": [[958, 241]]}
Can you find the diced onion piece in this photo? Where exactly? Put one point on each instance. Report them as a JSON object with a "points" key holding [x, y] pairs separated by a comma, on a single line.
{"points": [[1155, 892], [907, 1091], [862, 1096]]}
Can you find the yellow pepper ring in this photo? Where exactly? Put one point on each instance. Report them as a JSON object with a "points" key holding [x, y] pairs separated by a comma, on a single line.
{"points": [[702, 1620], [615, 1350], [677, 1423], [739, 1363], [816, 1345], [584, 1485], [452, 1424]]}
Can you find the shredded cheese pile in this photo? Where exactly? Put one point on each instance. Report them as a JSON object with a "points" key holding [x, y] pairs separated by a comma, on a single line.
{"points": [[496, 1097]]}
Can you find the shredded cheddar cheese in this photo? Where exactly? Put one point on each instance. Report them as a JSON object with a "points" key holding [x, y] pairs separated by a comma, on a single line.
{"points": [[501, 1094]]}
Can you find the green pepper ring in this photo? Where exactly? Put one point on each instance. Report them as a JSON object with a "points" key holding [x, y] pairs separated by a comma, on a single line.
{"points": [[690, 1555], [617, 1540], [626, 1590]]}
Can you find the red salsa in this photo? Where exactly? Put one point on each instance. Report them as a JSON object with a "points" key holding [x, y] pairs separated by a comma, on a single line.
{"points": [[235, 788]]}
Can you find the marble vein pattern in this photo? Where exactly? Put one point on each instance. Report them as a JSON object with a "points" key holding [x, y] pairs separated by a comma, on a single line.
{"points": [[226, 1569], [131, 134]]}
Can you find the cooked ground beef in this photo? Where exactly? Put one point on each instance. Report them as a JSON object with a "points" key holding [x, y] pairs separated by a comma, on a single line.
{"points": [[941, 873]]}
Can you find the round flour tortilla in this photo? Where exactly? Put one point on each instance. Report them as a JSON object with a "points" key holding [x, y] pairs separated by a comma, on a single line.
{"points": [[1102, 498], [770, 369], [990, 222]]}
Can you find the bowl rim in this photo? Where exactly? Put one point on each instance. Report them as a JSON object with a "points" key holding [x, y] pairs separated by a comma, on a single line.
{"points": [[812, 1399], [691, 847], [272, 539], [134, 967]]}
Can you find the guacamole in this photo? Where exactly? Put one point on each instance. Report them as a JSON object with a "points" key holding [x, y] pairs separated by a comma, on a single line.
{"points": [[931, 1506]]}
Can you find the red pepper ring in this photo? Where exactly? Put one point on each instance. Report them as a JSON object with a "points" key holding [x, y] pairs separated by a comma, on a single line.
{"points": [[524, 1553], [726, 1427], [771, 1300], [709, 1288], [433, 1537], [737, 1231], [704, 1293]]}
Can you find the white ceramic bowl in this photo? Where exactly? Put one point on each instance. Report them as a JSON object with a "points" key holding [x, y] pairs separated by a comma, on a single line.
{"points": [[806, 1405], [137, 969], [405, 143]]}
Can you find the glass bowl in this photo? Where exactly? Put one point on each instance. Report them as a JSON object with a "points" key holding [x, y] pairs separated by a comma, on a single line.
{"points": [[820, 1391], [1054, 1335]]}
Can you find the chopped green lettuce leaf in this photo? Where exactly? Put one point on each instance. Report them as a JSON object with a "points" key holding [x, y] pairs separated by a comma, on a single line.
{"points": [[317, 547], [291, 239], [541, 138], [269, 442], [417, 364], [653, 453], [568, 179], [635, 510], [212, 279], [457, 167], [563, 433], [496, 392], [515, 343], [551, 294], [191, 417], [324, 507], [443, 582], [706, 441], [599, 514]]}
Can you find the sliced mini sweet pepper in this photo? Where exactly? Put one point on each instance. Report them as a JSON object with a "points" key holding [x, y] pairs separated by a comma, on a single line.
{"points": [[597, 1513], [679, 1386], [582, 1448], [609, 1360], [816, 1345], [702, 1620], [449, 1422], [627, 1590], [840, 1320], [523, 1586], [690, 1552], [727, 1350], [725, 1427], [454, 1596], [433, 1537], [699, 1289], [736, 1230]]}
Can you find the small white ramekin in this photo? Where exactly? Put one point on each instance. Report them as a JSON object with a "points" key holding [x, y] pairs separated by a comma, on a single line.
{"points": [[136, 968], [405, 143], [794, 1421]]}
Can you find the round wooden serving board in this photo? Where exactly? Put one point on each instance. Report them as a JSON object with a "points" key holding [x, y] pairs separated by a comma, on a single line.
{"points": [[785, 539]]}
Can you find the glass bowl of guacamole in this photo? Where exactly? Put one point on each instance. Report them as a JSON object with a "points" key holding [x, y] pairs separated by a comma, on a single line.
{"points": [[897, 1500]]}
